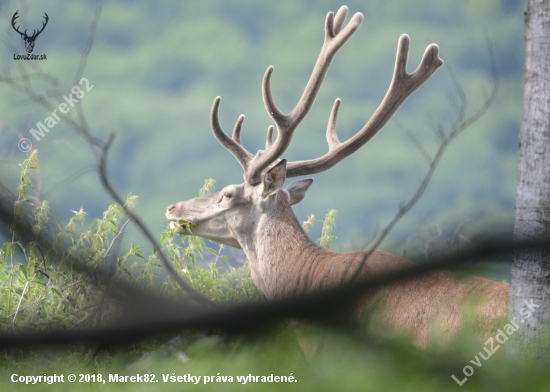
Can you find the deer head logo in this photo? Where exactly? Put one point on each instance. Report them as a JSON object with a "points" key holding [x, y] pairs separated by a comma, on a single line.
{"points": [[29, 41]]}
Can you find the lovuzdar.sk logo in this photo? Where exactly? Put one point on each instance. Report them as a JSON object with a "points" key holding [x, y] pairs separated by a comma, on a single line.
{"points": [[29, 39]]}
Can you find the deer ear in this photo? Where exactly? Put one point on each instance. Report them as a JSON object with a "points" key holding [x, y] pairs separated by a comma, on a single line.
{"points": [[274, 178], [297, 190]]}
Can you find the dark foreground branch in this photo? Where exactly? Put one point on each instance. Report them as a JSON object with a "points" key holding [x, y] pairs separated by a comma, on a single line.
{"points": [[144, 314]]}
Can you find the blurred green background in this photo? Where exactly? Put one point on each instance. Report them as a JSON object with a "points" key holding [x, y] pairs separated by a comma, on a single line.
{"points": [[156, 68]]}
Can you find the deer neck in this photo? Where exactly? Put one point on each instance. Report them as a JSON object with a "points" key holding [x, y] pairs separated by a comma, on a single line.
{"points": [[278, 250]]}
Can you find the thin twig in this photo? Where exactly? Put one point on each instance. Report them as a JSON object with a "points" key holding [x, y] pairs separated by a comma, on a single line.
{"points": [[82, 65], [89, 42], [109, 188], [20, 302], [67, 181], [415, 141], [42, 271], [120, 232]]}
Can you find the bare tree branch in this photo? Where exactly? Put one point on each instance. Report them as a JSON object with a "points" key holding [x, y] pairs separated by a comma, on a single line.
{"points": [[109, 188]]}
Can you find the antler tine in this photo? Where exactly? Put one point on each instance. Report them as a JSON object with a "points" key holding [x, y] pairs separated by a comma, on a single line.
{"points": [[339, 19], [237, 130], [269, 137], [335, 37], [232, 144], [401, 87], [332, 138]]}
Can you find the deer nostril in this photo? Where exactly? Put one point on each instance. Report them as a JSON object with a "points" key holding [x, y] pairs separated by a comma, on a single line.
{"points": [[171, 208]]}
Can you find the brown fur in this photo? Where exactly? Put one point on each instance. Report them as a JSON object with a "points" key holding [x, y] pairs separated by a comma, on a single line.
{"points": [[426, 307]]}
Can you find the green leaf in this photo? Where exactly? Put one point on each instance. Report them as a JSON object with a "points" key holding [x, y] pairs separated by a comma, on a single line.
{"points": [[24, 270], [226, 260], [163, 237]]}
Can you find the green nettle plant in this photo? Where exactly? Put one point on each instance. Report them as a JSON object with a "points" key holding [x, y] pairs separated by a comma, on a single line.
{"points": [[39, 287], [326, 232]]}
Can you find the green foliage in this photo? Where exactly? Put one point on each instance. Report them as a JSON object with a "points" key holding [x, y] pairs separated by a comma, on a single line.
{"points": [[328, 224], [39, 289], [207, 188]]}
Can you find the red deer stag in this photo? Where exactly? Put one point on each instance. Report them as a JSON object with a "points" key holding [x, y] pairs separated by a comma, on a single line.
{"points": [[257, 217]]}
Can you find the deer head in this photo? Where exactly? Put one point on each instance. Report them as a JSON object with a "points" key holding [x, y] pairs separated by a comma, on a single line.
{"points": [[229, 216], [29, 41], [232, 215]]}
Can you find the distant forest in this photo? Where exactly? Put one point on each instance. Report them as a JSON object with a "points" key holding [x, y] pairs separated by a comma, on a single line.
{"points": [[156, 68]]}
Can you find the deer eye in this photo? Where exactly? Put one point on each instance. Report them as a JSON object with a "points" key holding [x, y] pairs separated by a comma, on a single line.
{"points": [[227, 195]]}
